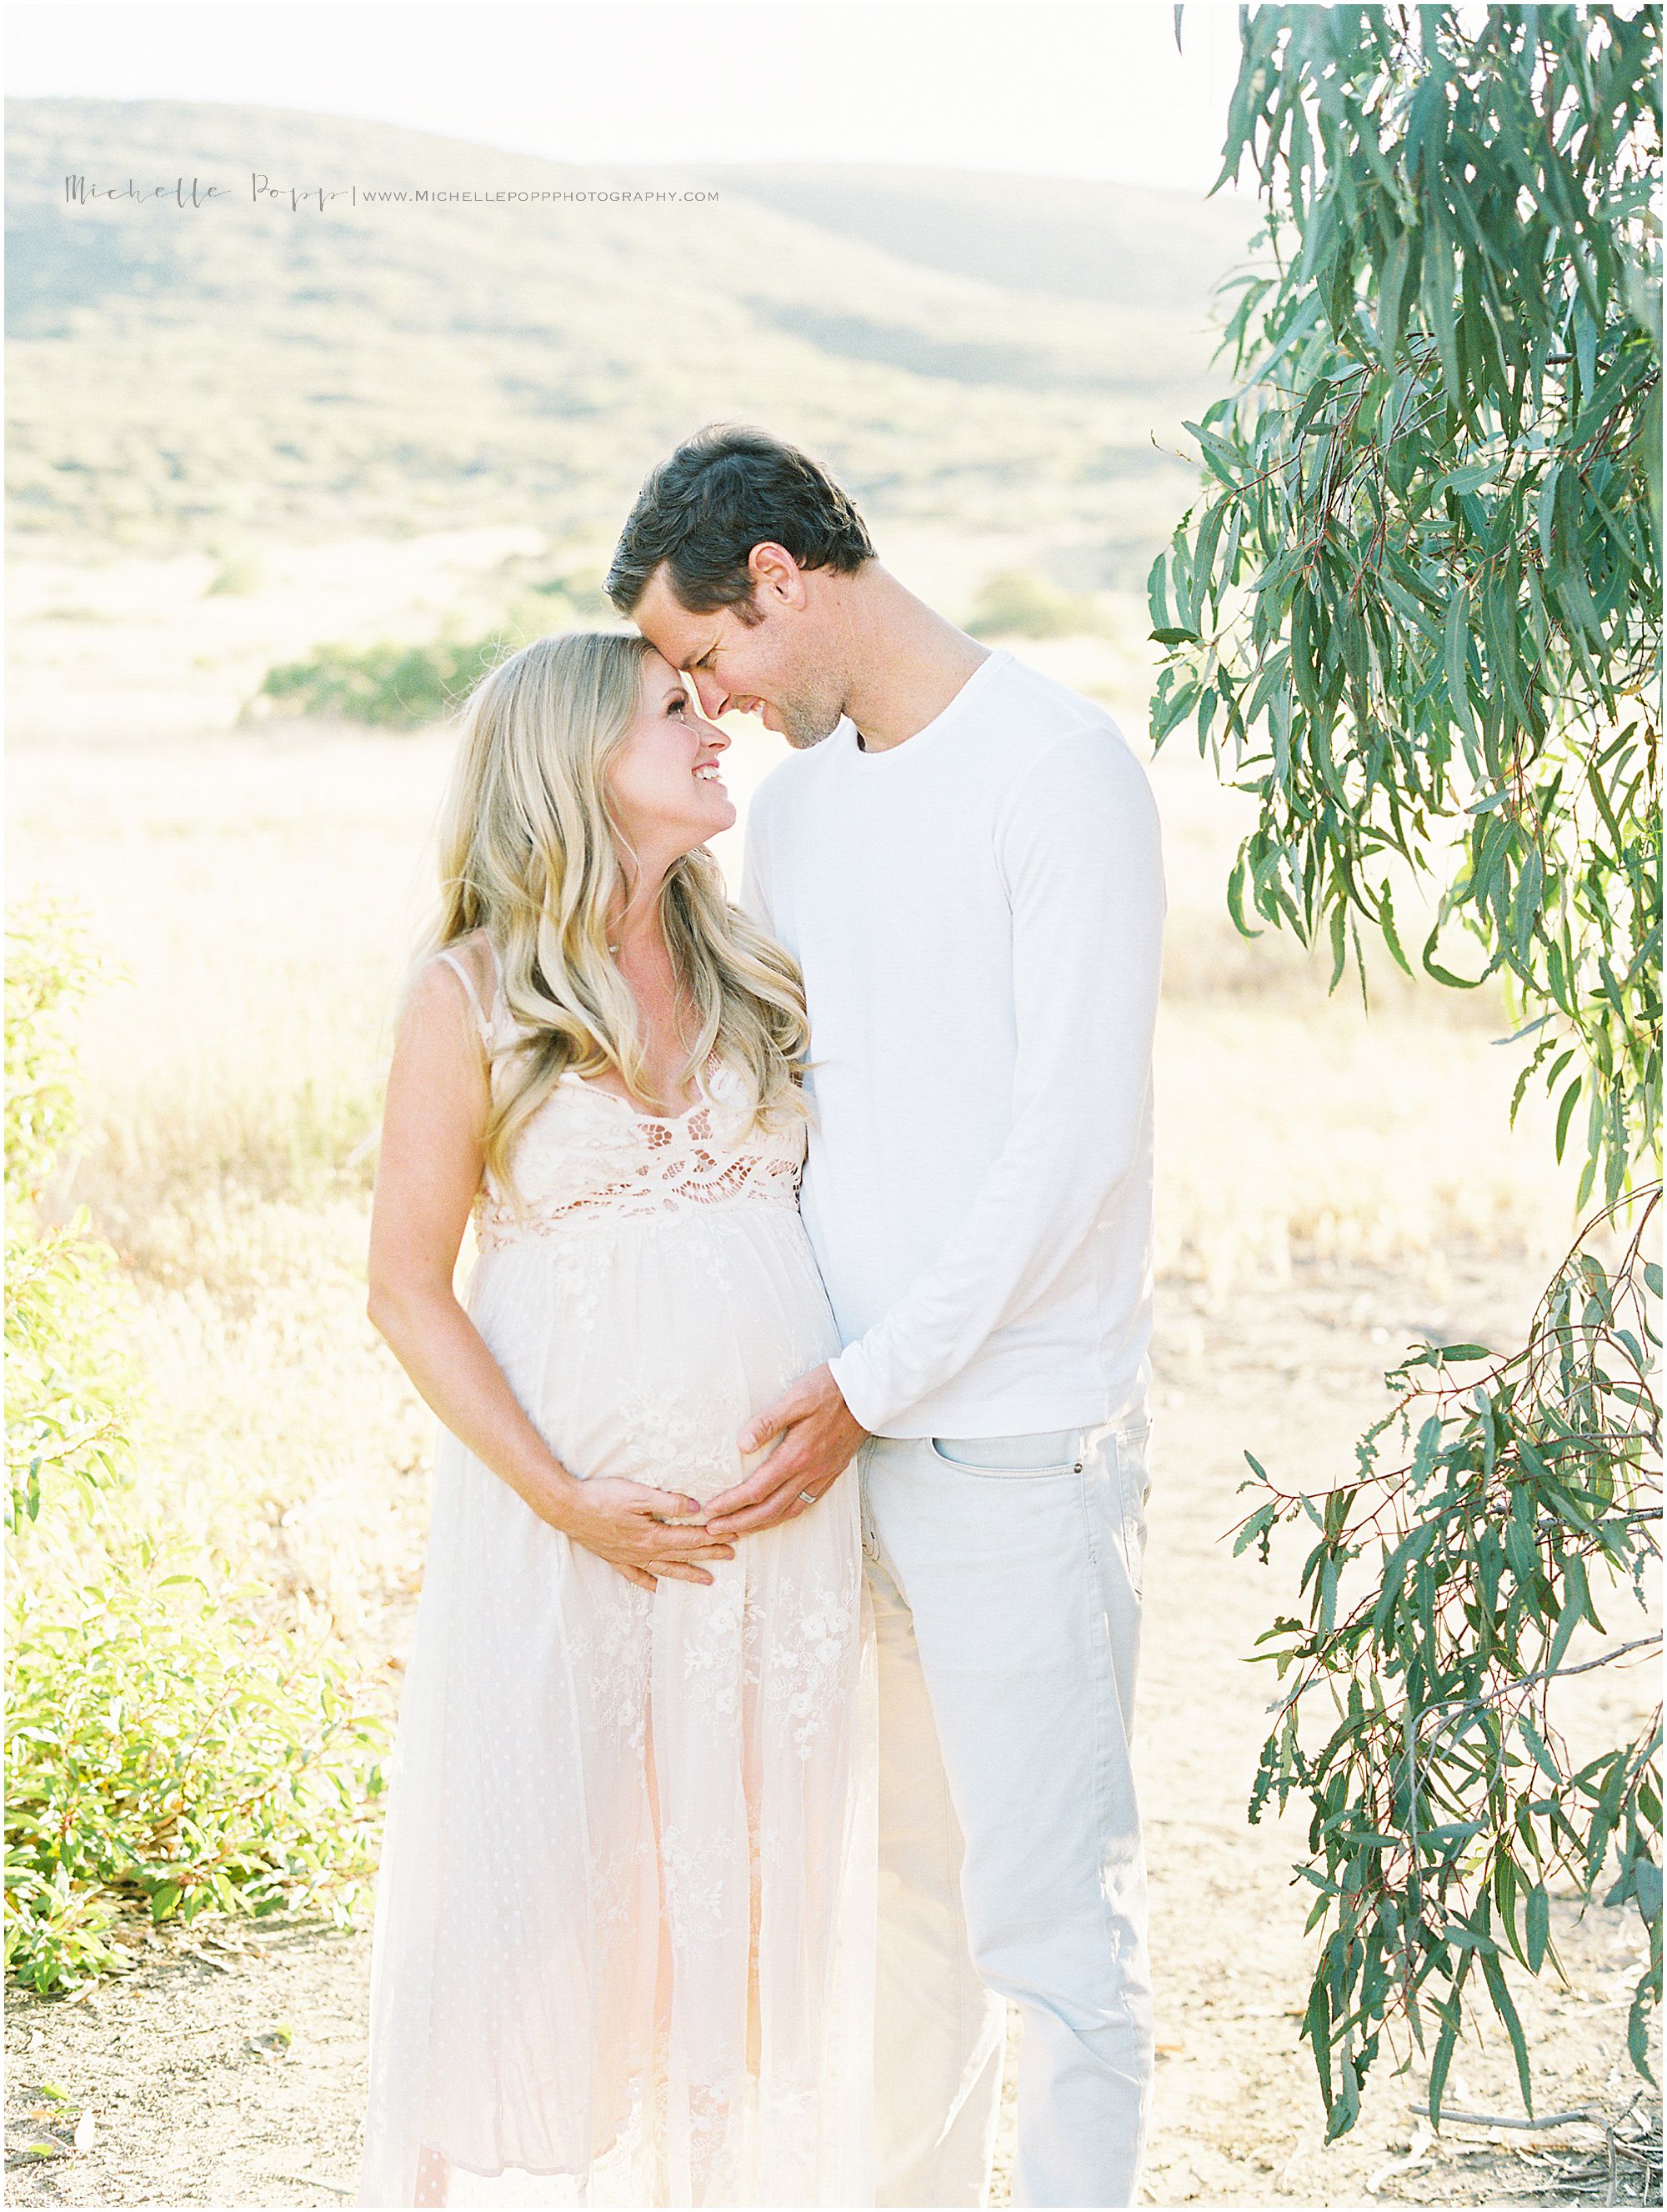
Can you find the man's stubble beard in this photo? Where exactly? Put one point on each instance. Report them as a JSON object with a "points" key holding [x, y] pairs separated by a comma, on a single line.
{"points": [[806, 688], [803, 730], [807, 721]]}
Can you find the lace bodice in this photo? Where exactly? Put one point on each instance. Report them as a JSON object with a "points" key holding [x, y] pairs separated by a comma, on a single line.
{"points": [[588, 1156]]}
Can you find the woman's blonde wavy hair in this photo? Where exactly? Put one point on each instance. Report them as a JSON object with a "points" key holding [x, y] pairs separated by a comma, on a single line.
{"points": [[531, 856]]}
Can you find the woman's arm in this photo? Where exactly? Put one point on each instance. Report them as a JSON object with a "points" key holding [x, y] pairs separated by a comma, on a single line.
{"points": [[428, 1173]]}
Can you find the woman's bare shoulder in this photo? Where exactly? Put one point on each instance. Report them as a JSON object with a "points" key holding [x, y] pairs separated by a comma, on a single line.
{"points": [[461, 974], [475, 953]]}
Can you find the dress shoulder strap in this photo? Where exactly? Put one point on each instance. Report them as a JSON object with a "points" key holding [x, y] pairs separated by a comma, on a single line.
{"points": [[484, 1015]]}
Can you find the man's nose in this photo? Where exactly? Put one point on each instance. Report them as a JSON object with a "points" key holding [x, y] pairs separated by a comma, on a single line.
{"points": [[711, 694]]}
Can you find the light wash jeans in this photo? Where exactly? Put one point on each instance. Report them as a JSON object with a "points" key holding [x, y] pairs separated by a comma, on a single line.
{"points": [[1006, 1573]]}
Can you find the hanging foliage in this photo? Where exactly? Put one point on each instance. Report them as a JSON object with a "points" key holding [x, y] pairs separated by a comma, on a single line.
{"points": [[1415, 613]]}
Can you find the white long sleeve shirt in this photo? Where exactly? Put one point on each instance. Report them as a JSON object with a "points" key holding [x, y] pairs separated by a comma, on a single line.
{"points": [[978, 913]]}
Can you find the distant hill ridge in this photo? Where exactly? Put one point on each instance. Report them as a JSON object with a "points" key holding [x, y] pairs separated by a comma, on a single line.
{"points": [[974, 353], [1123, 244]]}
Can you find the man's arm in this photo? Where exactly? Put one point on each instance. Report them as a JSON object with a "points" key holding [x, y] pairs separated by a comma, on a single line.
{"points": [[1081, 855]]}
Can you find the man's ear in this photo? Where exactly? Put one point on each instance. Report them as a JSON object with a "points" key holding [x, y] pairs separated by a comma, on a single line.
{"points": [[776, 576]]}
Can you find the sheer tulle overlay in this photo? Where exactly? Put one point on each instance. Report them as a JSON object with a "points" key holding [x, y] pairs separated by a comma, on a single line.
{"points": [[623, 1950]]}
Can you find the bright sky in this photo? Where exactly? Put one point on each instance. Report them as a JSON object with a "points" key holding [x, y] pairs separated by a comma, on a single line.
{"points": [[1043, 88]]}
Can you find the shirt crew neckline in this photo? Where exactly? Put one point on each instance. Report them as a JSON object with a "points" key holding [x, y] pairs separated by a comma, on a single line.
{"points": [[998, 656]]}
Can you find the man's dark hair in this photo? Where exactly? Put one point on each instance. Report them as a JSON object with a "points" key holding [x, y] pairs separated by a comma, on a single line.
{"points": [[724, 491]]}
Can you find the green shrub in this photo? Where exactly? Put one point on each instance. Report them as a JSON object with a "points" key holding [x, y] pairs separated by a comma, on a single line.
{"points": [[402, 686], [69, 1379], [51, 964], [394, 686], [237, 575], [166, 1744], [578, 591], [165, 1747], [1018, 602]]}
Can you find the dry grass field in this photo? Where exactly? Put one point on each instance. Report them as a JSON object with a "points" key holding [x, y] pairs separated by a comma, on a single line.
{"points": [[1331, 1184]]}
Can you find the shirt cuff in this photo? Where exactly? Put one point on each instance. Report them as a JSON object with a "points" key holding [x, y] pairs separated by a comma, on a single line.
{"points": [[856, 1386]]}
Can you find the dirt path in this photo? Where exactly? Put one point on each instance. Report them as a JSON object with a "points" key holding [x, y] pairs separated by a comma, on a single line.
{"points": [[227, 2068]]}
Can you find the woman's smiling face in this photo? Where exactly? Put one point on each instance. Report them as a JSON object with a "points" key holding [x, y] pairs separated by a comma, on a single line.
{"points": [[664, 779]]}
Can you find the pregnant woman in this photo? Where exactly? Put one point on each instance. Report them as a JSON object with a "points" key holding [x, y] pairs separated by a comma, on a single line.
{"points": [[624, 1920]]}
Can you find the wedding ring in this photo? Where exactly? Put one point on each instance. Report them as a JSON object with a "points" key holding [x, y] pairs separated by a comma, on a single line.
{"points": [[809, 1496]]}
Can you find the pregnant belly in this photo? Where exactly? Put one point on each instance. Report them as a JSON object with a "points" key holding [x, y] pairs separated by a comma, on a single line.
{"points": [[641, 1348]]}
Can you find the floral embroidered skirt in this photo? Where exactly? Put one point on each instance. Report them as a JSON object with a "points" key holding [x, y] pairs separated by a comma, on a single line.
{"points": [[624, 1940]]}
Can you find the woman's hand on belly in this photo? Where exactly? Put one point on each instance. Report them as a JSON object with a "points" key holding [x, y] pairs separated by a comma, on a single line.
{"points": [[625, 1523]]}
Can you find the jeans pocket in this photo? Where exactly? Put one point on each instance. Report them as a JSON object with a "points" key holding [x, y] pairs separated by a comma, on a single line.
{"points": [[1001, 1458], [1132, 1446], [865, 1501]]}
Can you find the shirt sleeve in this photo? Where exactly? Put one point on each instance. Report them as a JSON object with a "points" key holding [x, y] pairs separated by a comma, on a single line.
{"points": [[1080, 854], [755, 868]]}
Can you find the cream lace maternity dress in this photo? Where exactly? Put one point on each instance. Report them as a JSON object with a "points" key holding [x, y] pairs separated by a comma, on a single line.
{"points": [[623, 1948]]}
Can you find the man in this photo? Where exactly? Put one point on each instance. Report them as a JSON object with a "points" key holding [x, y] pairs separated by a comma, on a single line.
{"points": [[963, 857]]}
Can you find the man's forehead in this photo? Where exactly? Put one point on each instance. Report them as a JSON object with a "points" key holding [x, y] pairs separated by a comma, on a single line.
{"points": [[681, 636]]}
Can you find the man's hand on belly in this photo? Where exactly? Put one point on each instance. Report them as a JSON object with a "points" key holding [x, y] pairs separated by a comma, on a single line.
{"points": [[816, 1435]]}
